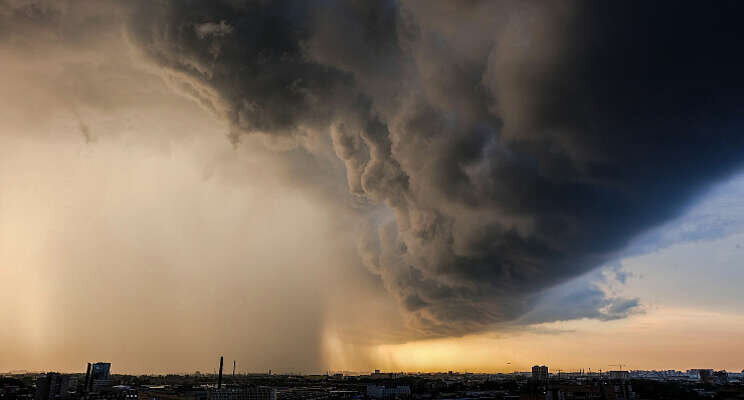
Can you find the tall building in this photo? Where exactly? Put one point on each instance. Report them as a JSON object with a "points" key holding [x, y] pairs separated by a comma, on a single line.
{"points": [[53, 385], [706, 375], [540, 373], [99, 377]]}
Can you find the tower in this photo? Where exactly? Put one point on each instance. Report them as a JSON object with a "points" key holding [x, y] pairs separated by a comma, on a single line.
{"points": [[219, 379], [87, 379]]}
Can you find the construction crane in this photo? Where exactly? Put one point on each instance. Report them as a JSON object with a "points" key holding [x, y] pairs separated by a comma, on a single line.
{"points": [[619, 366]]}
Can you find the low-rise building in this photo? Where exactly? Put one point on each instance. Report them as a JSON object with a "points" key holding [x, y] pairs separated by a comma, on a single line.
{"points": [[382, 392], [243, 393]]}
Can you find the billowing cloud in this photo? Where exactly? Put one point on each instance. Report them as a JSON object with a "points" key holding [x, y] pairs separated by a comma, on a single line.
{"points": [[515, 145]]}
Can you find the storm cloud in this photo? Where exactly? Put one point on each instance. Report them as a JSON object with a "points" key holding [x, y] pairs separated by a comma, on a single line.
{"points": [[494, 149]]}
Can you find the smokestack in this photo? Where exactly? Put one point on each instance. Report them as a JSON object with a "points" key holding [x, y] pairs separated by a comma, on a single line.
{"points": [[219, 379], [87, 379], [233, 371]]}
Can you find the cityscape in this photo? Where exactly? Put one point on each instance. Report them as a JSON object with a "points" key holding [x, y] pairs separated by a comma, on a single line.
{"points": [[371, 199], [99, 383]]}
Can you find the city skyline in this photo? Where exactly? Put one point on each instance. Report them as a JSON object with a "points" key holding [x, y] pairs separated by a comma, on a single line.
{"points": [[102, 371], [96, 383], [402, 185]]}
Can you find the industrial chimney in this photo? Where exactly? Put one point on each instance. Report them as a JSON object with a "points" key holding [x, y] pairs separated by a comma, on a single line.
{"points": [[219, 379], [87, 379]]}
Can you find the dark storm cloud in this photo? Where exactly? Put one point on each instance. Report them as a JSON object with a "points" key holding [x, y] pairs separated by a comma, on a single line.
{"points": [[518, 145]]}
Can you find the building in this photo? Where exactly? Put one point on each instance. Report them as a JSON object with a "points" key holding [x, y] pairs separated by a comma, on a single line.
{"points": [[249, 393], [315, 393], [97, 377], [384, 375], [53, 385], [119, 392], [540, 373], [591, 391], [382, 392], [720, 377], [584, 392], [619, 375], [167, 393], [706, 375]]}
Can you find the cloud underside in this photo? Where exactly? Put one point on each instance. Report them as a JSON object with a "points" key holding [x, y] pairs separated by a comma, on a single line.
{"points": [[496, 149]]}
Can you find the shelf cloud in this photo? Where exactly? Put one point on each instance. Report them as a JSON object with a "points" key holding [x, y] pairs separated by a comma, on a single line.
{"points": [[490, 154], [495, 149]]}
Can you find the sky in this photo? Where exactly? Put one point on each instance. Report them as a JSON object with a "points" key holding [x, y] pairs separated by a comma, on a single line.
{"points": [[348, 186]]}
